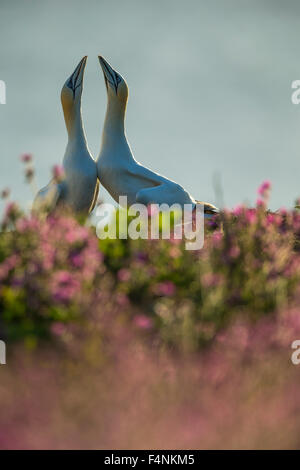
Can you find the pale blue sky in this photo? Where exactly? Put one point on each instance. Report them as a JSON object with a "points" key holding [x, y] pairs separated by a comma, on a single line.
{"points": [[210, 88]]}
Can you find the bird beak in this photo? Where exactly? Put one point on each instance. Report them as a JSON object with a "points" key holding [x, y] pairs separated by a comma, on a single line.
{"points": [[76, 79], [109, 73], [79, 71]]}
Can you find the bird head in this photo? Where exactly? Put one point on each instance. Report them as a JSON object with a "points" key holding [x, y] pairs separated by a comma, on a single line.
{"points": [[115, 84], [72, 90]]}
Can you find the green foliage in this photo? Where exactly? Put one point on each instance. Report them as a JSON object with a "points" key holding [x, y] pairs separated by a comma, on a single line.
{"points": [[56, 272]]}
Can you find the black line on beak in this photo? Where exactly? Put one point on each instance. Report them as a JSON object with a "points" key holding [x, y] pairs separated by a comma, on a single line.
{"points": [[115, 79], [73, 80]]}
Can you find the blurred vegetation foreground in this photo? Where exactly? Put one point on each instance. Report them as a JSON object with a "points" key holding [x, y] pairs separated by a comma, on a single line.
{"points": [[143, 344]]}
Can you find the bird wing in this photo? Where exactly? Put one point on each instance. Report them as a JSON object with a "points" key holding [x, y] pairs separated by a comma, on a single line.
{"points": [[143, 173]]}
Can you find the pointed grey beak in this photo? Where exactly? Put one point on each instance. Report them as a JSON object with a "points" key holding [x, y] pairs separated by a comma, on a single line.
{"points": [[75, 81], [82, 64], [110, 76]]}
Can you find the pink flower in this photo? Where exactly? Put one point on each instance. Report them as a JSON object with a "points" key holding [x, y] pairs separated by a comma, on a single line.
{"points": [[77, 260], [26, 157], [77, 234], [217, 238], [260, 202], [58, 329], [251, 216], [8, 265], [65, 286], [143, 322], [166, 288], [63, 277], [28, 224], [238, 210], [265, 186], [282, 211], [58, 172]]}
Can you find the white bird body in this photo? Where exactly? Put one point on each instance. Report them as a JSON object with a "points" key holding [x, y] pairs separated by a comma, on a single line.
{"points": [[125, 176], [78, 190], [80, 178], [118, 170]]}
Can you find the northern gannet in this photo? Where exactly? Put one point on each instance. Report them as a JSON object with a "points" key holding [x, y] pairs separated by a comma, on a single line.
{"points": [[80, 186], [118, 170]]}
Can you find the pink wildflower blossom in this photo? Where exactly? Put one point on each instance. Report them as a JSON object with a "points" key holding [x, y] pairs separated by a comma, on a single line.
{"points": [[26, 158], [143, 322], [265, 186], [166, 288], [58, 172]]}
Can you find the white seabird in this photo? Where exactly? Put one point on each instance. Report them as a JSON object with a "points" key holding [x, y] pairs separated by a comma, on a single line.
{"points": [[118, 170], [79, 188]]}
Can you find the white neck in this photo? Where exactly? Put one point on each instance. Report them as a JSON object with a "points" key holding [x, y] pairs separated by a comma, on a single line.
{"points": [[74, 125], [114, 123]]}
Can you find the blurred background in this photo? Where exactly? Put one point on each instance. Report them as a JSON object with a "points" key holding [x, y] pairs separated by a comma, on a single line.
{"points": [[210, 89]]}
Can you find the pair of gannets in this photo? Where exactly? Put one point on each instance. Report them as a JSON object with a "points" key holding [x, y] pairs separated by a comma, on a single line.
{"points": [[116, 167]]}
